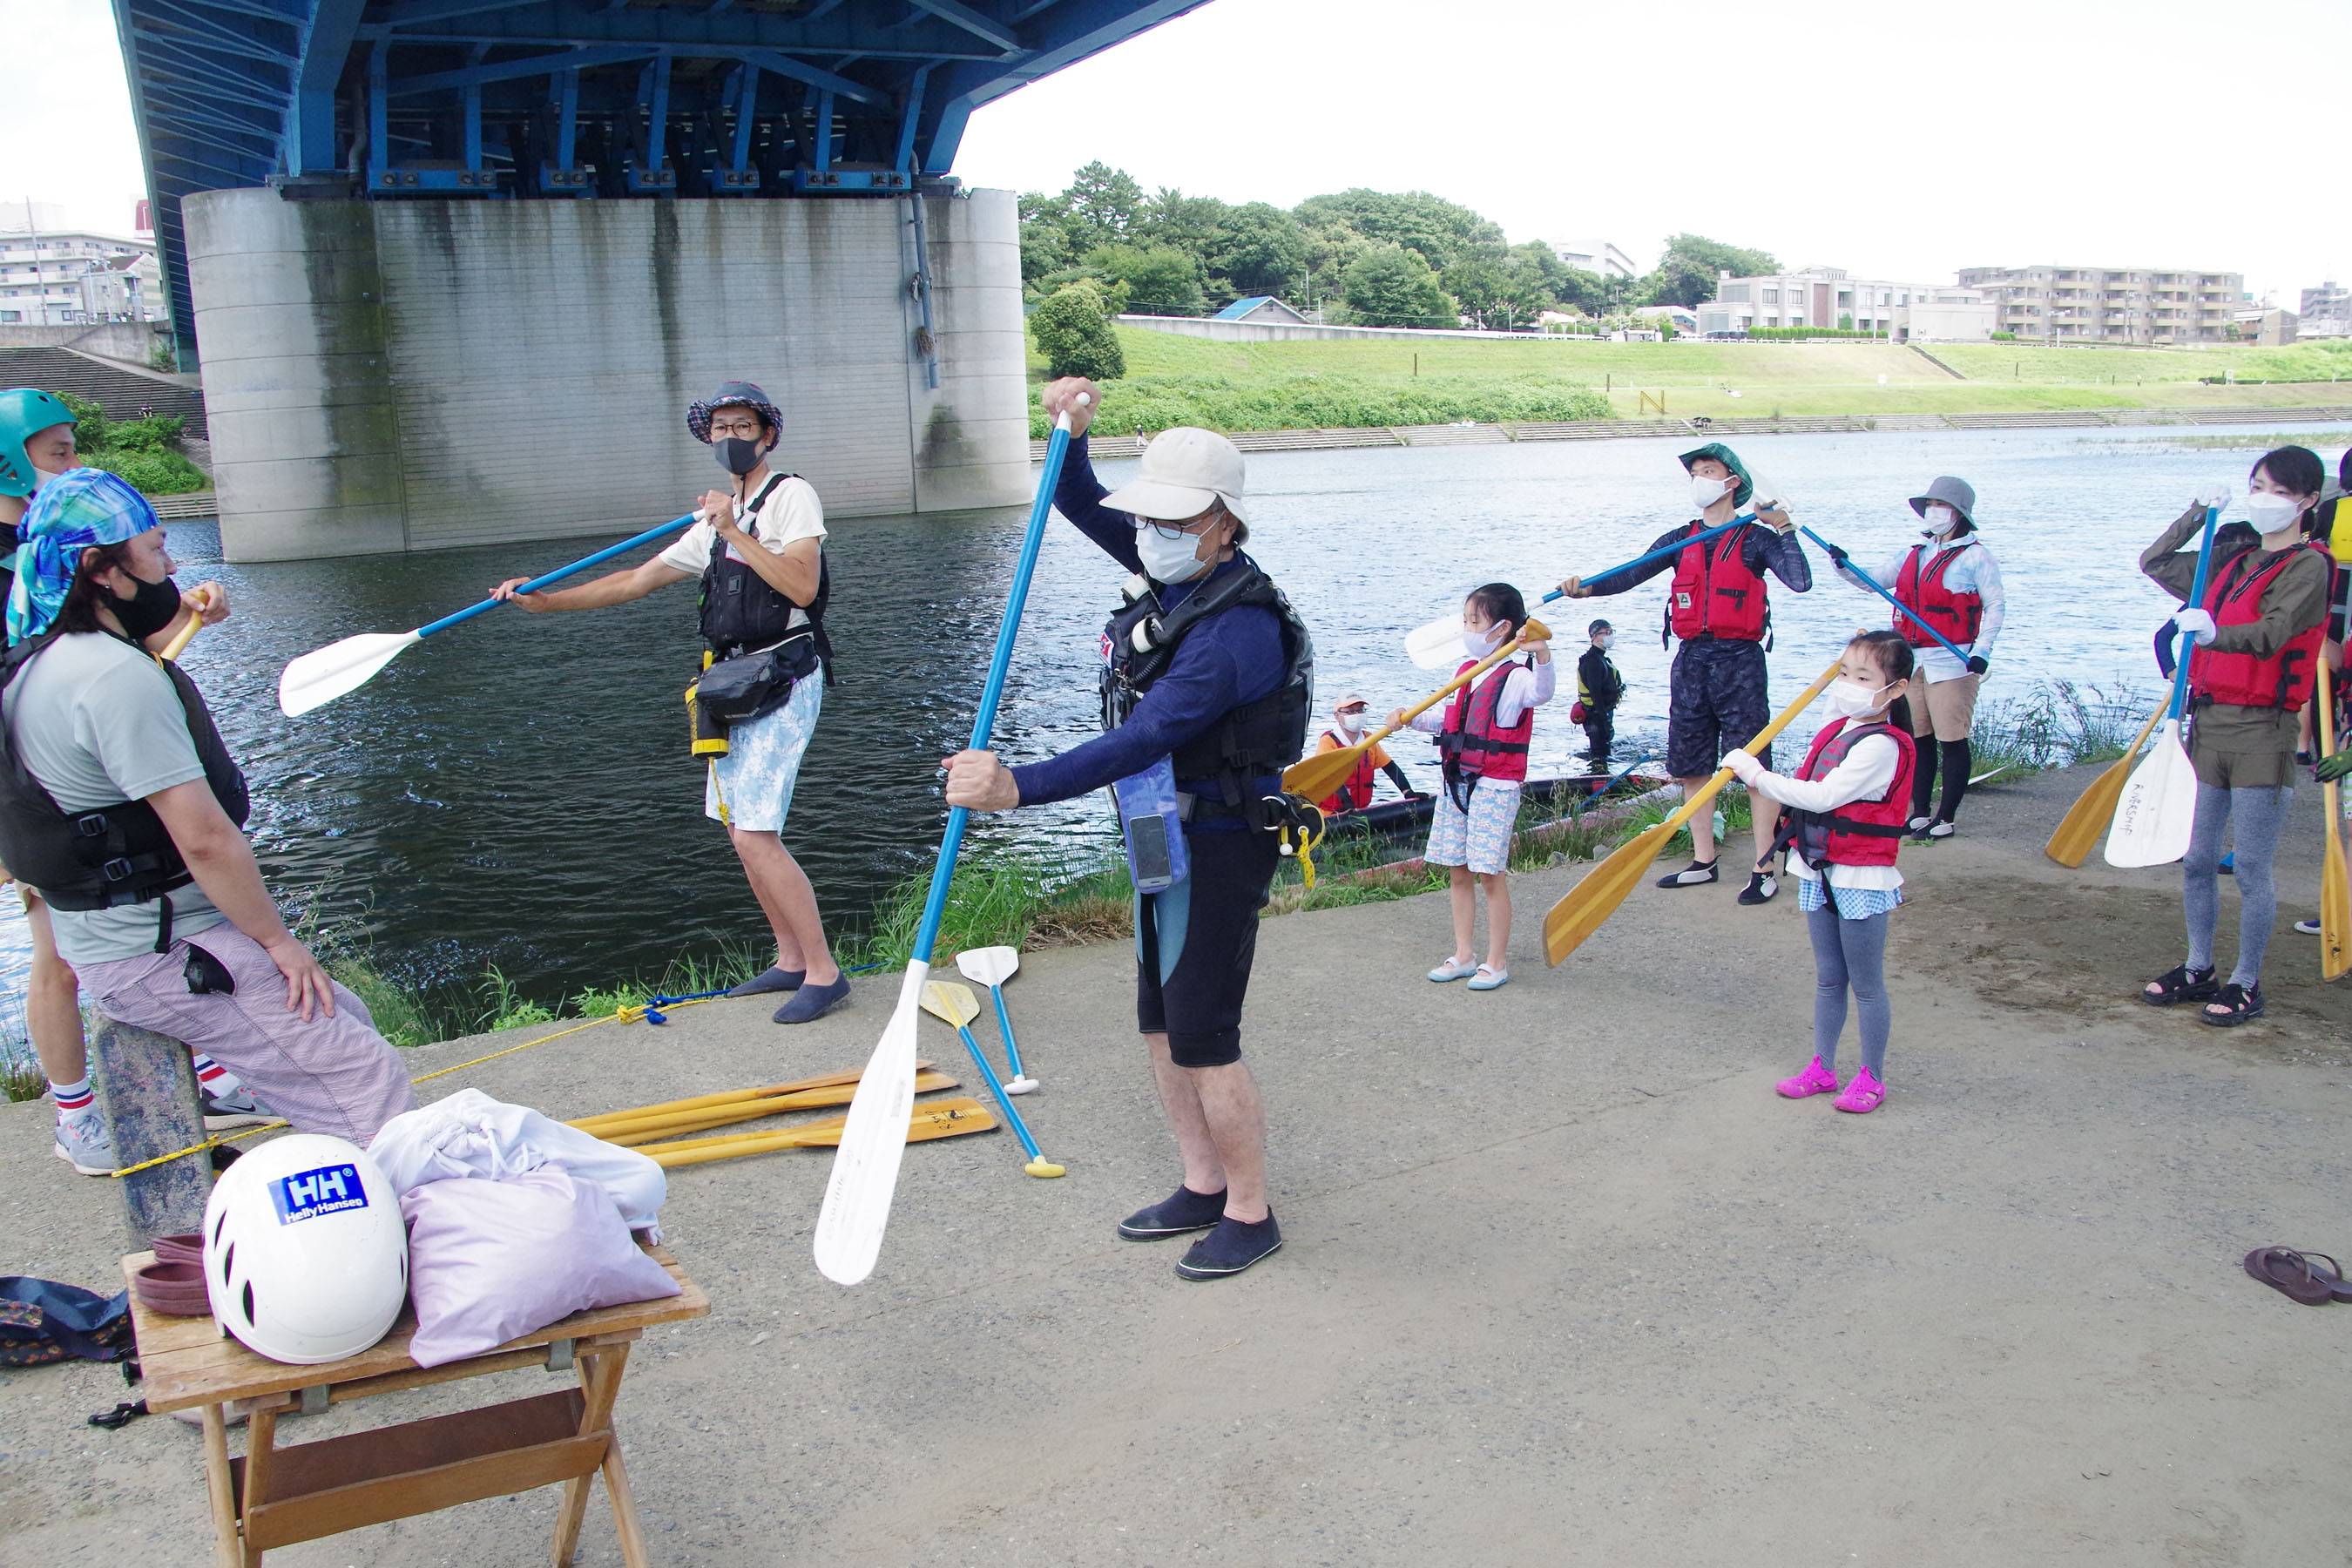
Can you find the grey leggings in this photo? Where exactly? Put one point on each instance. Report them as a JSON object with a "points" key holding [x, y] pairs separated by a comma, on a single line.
{"points": [[1848, 955], [2259, 815]]}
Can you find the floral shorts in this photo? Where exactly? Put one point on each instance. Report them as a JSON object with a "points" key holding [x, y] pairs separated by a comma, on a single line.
{"points": [[1481, 837], [752, 786]]}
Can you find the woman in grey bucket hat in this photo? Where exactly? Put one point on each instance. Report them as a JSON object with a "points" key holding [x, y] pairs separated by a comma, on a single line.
{"points": [[1950, 580]]}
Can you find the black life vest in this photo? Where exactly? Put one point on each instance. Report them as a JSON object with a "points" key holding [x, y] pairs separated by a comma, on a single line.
{"points": [[1249, 743], [742, 612], [109, 855]]}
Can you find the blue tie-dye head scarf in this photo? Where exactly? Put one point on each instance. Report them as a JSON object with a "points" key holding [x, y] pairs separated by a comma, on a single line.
{"points": [[78, 509]]}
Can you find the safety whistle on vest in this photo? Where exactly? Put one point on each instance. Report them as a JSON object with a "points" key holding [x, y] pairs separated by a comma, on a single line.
{"points": [[1152, 823]]}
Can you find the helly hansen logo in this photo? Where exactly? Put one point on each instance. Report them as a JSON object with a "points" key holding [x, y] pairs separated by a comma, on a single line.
{"points": [[307, 1195]]}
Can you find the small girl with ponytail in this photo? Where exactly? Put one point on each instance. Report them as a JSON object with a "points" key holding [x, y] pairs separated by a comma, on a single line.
{"points": [[1846, 819]]}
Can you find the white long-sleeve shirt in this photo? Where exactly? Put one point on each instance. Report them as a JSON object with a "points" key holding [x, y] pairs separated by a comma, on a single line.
{"points": [[1528, 686], [1868, 768], [1976, 571]]}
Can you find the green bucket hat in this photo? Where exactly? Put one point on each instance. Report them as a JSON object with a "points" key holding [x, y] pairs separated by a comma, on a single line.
{"points": [[1743, 486]]}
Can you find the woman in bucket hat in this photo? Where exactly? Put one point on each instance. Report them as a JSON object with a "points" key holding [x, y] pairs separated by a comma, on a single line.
{"points": [[759, 549], [1950, 582]]}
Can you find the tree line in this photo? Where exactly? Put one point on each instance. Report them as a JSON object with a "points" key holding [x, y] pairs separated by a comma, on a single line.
{"points": [[1362, 257]]}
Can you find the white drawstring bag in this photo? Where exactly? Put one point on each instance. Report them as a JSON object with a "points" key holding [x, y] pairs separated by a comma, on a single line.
{"points": [[470, 1134]]}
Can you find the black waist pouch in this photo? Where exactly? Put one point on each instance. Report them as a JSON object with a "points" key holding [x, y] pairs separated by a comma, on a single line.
{"points": [[751, 685]]}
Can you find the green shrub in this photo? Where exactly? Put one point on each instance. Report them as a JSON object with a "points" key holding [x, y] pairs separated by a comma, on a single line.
{"points": [[1333, 402], [1072, 331], [151, 473]]}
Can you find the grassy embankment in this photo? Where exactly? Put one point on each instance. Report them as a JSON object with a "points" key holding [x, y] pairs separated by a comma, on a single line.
{"points": [[1174, 380]]}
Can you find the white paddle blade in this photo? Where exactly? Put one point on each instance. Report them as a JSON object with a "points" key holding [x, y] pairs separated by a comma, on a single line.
{"points": [[1437, 646], [989, 966], [2158, 805], [865, 1168], [317, 678]]}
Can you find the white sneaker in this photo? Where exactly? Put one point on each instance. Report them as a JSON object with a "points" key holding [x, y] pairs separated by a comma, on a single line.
{"points": [[1921, 824], [237, 1108], [84, 1142], [2308, 928], [1940, 829]]}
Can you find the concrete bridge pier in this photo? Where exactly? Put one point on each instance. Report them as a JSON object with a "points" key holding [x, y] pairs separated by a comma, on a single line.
{"points": [[419, 374]]}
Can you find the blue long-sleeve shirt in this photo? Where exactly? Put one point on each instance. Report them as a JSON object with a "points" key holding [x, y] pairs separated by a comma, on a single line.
{"points": [[1762, 549], [1229, 661]]}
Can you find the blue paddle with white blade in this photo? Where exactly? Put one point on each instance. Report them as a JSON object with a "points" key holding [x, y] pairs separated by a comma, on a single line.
{"points": [[2158, 806], [319, 677], [866, 1171]]}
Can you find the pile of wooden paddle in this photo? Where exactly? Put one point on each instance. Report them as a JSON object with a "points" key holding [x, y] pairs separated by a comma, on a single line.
{"points": [[659, 1130]]}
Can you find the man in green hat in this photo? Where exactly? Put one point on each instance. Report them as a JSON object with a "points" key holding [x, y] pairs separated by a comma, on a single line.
{"points": [[1720, 696]]}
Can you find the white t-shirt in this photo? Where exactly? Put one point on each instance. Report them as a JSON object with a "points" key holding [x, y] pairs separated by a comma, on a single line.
{"points": [[1529, 685], [790, 512]]}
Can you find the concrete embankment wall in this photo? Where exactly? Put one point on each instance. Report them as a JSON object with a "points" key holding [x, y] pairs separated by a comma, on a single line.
{"points": [[415, 375]]}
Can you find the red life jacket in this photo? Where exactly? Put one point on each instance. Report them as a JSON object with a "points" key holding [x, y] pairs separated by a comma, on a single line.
{"points": [[1957, 616], [1357, 792], [1714, 593], [1471, 744], [2234, 598], [1862, 832]]}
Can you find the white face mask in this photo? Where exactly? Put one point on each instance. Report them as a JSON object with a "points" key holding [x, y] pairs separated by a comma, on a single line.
{"points": [[1167, 559], [1848, 700], [1606, 641], [1482, 640], [1352, 722], [2269, 513], [1706, 492], [1941, 520]]}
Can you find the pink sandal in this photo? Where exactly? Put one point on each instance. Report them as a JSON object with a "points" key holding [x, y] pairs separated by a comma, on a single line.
{"points": [[1863, 1096], [1814, 1080]]}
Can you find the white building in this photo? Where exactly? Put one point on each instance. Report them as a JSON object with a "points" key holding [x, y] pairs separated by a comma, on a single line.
{"points": [[2325, 312], [44, 274], [1952, 315], [1599, 257], [1814, 297]]}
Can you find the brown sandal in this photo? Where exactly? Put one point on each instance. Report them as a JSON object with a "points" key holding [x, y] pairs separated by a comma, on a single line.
{"points": [[2290, 1273]]}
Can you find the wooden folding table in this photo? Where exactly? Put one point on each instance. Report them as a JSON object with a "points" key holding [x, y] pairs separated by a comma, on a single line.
{"points": [[275, 1497]]}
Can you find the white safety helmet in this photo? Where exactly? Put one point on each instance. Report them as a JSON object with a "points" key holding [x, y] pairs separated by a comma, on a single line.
{"points": [[305, 1257]]}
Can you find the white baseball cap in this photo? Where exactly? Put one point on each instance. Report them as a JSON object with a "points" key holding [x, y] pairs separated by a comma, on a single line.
{"points": [[1184, 469]]}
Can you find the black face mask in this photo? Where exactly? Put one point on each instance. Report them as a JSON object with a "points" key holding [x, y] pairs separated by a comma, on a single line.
{"points": [[147, 611], [736, 455]]}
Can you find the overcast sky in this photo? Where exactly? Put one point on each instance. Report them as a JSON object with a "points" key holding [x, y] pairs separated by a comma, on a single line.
{"points": [[1893, 139]]}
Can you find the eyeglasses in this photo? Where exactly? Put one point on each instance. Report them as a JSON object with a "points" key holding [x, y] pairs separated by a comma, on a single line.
{"points": [[740, 429], [1178, 530]]}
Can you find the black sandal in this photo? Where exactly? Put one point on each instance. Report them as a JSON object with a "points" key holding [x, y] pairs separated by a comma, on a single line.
{"points": [[2175, 986], [2243, 1002]]}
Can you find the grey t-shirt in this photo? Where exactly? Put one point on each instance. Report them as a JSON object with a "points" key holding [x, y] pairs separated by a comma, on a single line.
{"points": [[97, 722]]}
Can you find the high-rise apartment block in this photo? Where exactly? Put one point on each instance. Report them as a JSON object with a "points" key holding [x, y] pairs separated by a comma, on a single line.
{"points": [[2110, 304]]}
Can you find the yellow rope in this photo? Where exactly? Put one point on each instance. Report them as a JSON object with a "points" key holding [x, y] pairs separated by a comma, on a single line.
{"points": [[624, 1016]]}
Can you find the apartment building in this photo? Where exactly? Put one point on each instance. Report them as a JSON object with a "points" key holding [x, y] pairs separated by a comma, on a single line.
{"points": [[1826, 297], [2111, 304], [1595, 256], [2325, 312], [49, 279]]}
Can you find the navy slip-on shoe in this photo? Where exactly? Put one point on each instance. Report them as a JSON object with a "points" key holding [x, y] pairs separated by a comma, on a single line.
{"points": [[811, 1002], [1182, 1211], [1229, 1248], [769, 980]]}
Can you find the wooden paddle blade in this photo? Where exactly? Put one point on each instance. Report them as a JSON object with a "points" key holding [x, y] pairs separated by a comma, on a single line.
{"points": [[822, 1080], [1320, 775], [654, 1129], [2157, 808], [989, 966], [2094, 808], [2335, 894], [1596, 897], [940, 1119], [317, 678], [946, 999]]}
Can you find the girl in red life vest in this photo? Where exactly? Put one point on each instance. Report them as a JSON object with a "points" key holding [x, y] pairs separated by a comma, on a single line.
{"points": [[1846, 804], [2258, 635], [1483, 735]]}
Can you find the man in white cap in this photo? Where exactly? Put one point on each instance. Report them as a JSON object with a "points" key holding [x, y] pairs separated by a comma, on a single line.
{"points": [[1350, 715], [1206, 687]]}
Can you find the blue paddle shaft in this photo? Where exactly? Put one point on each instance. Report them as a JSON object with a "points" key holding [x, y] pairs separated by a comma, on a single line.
{"points": [[1011, 1117], [2196, 600], [1663, 550], [1867, 581], [560, 574], [983, 724], [1004, 1026], [1602, 788]]}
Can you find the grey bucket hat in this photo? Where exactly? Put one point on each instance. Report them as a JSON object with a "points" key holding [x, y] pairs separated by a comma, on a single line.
{"points": [[733, 393], [1958, 494]]}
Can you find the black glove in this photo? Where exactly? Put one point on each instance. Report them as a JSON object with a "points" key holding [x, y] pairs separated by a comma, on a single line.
{"points": [[2331, 770], [1836, 554], [1978, 664]]}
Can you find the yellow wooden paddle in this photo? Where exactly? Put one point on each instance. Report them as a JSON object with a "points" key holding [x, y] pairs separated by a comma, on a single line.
{"points": [[732, 1097], [1321, 774], [653, 1129], [2085, 822], [198, 601], [937, 1119], [1595, 899], [2335, 887]]}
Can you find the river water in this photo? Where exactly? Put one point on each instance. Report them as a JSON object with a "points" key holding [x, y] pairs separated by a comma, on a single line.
{"points": [[517, 793]]}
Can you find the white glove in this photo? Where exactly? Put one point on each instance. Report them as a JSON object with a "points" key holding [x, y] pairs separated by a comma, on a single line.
{"points": [[2217, 495], [2196, 624], [1743, 765]]}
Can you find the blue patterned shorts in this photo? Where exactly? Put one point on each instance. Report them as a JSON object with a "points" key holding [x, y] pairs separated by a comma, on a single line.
{"points": [[752, 786], [1853, 903], [1480, 839]]}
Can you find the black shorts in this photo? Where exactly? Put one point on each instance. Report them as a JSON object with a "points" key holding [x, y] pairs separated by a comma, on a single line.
{"points": [[1717, 702], [1199, 1003]]}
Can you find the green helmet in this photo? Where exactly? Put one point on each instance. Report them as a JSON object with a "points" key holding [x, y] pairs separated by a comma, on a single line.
{"points": [[25, 412]]}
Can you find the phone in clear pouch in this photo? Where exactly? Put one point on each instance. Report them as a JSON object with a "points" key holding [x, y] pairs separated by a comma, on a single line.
{"points": [[1150, 822]]}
